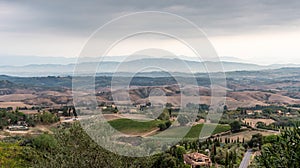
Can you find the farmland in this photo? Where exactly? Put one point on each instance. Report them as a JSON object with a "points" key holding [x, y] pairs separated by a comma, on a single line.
{"points": [[194, 132], [139, 127], [271, 106], [247, 135], [133, 127]]}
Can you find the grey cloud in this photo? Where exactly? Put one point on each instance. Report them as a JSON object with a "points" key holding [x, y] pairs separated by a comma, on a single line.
{"points": [[218, 17]]}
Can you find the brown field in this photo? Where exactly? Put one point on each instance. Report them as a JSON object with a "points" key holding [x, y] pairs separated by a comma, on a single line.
{"points": [[13, 104], [140, 94], [55, 93], [253, 122], [16, 97], [247, 135], [29, 111], [233, 99], [111, 116]]}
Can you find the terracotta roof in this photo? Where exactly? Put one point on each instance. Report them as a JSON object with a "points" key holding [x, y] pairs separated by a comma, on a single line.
{"points": [[197, 159]]}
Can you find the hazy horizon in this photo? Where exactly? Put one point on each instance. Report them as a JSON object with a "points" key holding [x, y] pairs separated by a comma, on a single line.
{"points": [[24, 60]]}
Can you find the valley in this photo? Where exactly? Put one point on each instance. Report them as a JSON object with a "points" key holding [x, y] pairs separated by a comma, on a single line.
{"points": [[261, 104]]}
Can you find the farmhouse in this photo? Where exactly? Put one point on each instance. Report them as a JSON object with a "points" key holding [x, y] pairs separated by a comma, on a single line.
{"points": [[133, 110], [257, 111], [249, 112], [252, 112], [197, 160], [18, 128], [279, 112]]}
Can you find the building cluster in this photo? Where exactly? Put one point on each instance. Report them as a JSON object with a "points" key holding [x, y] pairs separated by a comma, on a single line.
{"points": [[197, 160]]}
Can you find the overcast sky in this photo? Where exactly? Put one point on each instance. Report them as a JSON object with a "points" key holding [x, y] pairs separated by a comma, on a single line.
{"points": [[260, 31]]}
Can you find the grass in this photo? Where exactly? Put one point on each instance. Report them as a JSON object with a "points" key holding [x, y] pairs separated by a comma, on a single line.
{"points": [[194, 132], [129, 126]]}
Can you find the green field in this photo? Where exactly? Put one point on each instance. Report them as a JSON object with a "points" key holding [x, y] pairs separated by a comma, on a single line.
{"points": [[194, 132], [129, 126]]}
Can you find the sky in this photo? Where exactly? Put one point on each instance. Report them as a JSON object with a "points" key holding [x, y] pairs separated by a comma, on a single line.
{"points": [[258, 31]]}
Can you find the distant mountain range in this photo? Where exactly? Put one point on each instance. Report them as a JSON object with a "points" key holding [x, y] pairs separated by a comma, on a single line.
{"points": [[44, 67], [16, 60]]}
